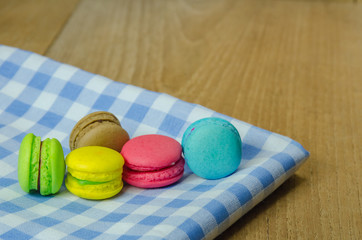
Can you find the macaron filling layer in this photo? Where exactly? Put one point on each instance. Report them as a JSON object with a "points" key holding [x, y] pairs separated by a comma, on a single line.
{"points": [[96, 176], [87, 182], [45, 178], [146, 169], [170, 172], [34, 165], [92, 190]]}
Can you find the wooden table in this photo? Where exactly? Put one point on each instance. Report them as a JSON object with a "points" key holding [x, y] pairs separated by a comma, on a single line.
{"points": [[291, 67]]}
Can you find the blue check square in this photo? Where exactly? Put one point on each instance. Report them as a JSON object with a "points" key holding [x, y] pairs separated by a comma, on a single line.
{"points": [[114, 217], [10, 207], [86, 233], [249, 151], [140, 200], [202, 188], [4, 152], [285, 160], [15, 234], [137, 112], [76, 208], [17, 108], [177, 203], [196, 233], [263, 175], [46, 221], [152, 220], [172, 125], [8, 69], [39, 81], [50, 120], [104, 102], [71, 91], [218, 210], [241, 192], [5, 182]]}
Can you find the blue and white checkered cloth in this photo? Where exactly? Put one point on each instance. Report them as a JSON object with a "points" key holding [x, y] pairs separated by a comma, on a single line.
{"points": [[47, 98]]}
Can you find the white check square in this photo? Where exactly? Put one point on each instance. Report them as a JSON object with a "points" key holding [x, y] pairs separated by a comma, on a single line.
{"points": [[56, 134], [6, 52], [65, 72], [163, 103], [42, 209], [13, 89], [8, 194], [13, 220], [146, 210], [5, 169], [22, 124], [130, 93], [81, 221], [77, 111], [144, 129], [120, 228], [45, 100], [186, 211], [161, 230], [97, 84], [198, 113], [275, 143], [34, 62], [50, 233]]}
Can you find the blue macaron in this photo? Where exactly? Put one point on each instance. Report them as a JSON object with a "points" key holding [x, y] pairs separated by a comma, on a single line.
{"points": [[212, 148]]}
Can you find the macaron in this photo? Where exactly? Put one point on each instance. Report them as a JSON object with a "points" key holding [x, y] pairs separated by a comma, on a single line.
{"points": [[152, 161], [98, 129], [94, 172], [41, 165], [212, 148]]}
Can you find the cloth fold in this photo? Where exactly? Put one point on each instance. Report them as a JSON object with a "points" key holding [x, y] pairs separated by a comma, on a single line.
{"points": [[47, 98]]}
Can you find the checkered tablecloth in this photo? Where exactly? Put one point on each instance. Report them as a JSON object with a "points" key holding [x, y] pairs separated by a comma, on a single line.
{"points": [[47, 98]]}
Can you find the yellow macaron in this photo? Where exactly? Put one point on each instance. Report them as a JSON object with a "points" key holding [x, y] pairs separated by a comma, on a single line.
{"points": [[94, 172]]}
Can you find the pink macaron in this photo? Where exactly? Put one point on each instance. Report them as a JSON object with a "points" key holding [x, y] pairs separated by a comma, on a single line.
{"points": [[152, 161]]}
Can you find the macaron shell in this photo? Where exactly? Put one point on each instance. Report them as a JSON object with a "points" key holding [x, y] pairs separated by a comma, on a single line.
{"points": [[96, 176], [212, 148], [97, 191], [52, 167], [28, 162], [211, 121], [106, 134], [87, 120], [94, 159], [155, 179], [151, 152], [111, 134]]}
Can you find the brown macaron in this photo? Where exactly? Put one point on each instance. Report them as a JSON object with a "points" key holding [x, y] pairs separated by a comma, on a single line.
{"points": [[98, 129]]}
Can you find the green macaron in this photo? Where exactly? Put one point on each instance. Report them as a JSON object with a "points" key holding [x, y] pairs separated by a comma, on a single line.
{"points": [[41, 165]]}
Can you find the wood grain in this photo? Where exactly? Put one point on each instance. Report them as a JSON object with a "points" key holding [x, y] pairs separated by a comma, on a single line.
{"points": [[33, 25], [292, 67]]}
